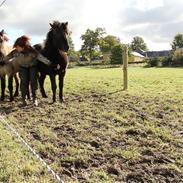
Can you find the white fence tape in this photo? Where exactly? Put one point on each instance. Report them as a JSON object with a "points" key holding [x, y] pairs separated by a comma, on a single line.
{"points": [[9, 127]]}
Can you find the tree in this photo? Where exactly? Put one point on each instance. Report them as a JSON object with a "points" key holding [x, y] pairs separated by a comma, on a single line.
{"points": [[91, 41], [73, 55], [116, 54], [71, 44], [108, 42], [177, 42], [138, 43]]}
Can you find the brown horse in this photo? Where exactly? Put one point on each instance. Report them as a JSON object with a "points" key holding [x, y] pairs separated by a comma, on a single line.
{"points": [[11, 63], [5, 49]]}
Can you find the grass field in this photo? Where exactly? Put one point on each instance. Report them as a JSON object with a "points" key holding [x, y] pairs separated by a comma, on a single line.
{"points": [[101, 134]]}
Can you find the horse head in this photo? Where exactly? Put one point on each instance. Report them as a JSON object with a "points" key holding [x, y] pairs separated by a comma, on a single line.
{"points": [[1, 44], [3, 40], [59, 35], [3, 37]]}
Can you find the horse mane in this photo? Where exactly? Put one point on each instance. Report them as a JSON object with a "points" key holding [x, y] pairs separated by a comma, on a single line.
{"points": [[48, 39], [49, 50]]}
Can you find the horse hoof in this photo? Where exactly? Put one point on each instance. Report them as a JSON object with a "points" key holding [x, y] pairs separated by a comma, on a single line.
{"points": [[51, 103], [44, 96], [35, 102], [24, 103], [11, 99], [2, 99], [62, 100], [16, 95]]}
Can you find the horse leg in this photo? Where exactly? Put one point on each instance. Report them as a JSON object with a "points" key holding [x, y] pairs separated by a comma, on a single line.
{"points": [[33, 83], [3, 86], [61, 85], [28, 93], [41, 84], [10, 87], [17, 85], [53, 86]]}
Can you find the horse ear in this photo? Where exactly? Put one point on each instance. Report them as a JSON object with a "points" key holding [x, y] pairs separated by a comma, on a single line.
{"points": [[2, 32], [51, 25], [66, 23]]}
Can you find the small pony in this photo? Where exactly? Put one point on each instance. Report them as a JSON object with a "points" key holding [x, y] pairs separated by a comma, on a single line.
{"points": [[14, 60], [5, 49]]}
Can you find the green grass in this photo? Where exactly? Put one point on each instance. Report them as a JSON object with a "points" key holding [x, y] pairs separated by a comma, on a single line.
{"points": [[17, 164], [105, 134]]}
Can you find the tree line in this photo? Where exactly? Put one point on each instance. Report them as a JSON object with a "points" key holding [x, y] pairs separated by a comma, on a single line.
{"points": [[97, 42]]}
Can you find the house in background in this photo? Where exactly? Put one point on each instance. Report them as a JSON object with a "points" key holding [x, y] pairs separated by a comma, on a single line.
{"points": [[164, 53], [151, 54], [136, 57]]}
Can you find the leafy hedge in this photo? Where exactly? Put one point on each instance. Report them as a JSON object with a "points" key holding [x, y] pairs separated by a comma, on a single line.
{"points": [[163, 62]]}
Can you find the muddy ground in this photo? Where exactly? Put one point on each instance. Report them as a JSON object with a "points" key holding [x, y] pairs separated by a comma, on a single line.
{"points": [[105, 137]]}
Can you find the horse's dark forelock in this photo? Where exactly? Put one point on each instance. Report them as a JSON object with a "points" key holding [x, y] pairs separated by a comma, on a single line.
{"points": [[56, 24], [60, 26]]}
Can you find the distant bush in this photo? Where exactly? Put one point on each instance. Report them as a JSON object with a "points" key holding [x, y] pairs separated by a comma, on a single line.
{"points": [[177, 61], [159, 61], [153, 62], [73, 56], [167, 61], [116, 55]]}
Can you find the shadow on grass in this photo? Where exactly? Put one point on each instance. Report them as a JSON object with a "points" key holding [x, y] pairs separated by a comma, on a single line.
{"points": [[163, 67], [105, 67], [117, 91], [7, 109]]}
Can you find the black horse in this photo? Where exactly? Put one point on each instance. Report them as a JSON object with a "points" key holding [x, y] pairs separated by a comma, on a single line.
{"points": [[55, 50]]}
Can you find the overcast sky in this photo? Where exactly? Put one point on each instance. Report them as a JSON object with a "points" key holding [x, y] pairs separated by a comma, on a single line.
{"points": [[157, 21]]}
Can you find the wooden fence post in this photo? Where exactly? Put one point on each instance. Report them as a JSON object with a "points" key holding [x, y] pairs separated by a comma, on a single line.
{"points": [[125, 68]]}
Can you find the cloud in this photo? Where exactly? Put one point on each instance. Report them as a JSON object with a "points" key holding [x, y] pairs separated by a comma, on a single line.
{"points": [[157, 24], [156, 21]]}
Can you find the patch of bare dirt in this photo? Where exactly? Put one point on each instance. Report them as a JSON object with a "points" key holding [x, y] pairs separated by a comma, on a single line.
{"points": [[96, 131]]}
